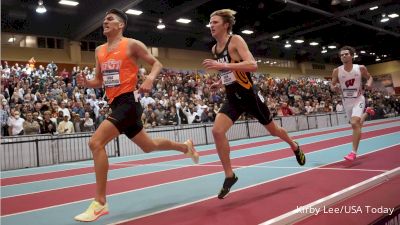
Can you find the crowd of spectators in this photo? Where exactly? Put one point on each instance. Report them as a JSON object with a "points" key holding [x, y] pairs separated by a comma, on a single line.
{"points": [[47, 100]]}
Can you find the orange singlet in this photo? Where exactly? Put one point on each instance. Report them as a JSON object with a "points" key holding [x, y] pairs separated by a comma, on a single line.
{"points": [[118, 69]]}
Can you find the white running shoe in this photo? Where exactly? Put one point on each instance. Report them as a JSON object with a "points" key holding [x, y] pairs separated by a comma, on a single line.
{"points": [[92, 213]]}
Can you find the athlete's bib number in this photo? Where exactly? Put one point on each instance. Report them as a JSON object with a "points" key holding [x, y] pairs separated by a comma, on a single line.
{"points": [[227, 77], [350, 93], [111, 79]]}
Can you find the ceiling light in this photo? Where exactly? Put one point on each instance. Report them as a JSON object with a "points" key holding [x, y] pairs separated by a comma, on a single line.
{"points": [[363, 52], [40, 8], [384, 18], [299, 41], [160, 25], [11, 39], [377, 59], [68, 2], [208, 25], [314, 43], [275, 36], [247, 32], [384, 56], [183, 20], [335, 2], [332, 46], [355, 55], [373, 8], [324, 50], [134, 12], [393, 15], [288, 45]]}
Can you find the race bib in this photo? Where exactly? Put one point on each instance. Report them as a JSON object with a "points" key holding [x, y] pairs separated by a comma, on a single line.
{"points": [[111, 79], [110, 71], [227, 77], [350, 93]]}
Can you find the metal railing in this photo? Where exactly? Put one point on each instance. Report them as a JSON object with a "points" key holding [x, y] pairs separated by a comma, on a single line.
{"points": [[40, 150]]}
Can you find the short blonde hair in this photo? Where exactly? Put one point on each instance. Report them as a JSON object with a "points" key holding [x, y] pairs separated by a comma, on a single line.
{"points": [[227, 15]]}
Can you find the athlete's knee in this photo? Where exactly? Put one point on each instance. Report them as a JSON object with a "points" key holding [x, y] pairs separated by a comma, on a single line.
{"points": [[95, 145], [218, 132], [150, 146], [355, 124]]}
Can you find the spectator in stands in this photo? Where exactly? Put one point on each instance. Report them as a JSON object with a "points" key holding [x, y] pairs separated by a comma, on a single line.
{"points": [[339, 106], [3, 118], [146, 100], [102, 116], [286, 111], [77, 122], [30, 126], [47, 126], [15, 124], [88, 124], [65, 126]]}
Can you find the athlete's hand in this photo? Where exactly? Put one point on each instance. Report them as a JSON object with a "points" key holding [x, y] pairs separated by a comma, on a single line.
{"points": [[212, 64], [215, 86], [81, 79], [146, 86]]}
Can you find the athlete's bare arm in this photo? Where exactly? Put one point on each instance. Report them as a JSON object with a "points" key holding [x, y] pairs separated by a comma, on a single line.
{"points": [[97, 82], [139, 51], [365, 74], [335, 80], [241, 49]]}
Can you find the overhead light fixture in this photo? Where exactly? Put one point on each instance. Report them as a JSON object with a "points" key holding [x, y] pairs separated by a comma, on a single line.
{"points": [[183, 20], [384, 56], [332, 46], [363, 52], [247, 31], [41, 8], [393, 15], [324, 50], [288, 45], [275, 36], [373, 8], [11, 39], [384, 18], [377, 59], [314, 43], [68, 2], [134, 12], [299, 41], [160, 25], [208, 25], [335, 2], [355, 55]]}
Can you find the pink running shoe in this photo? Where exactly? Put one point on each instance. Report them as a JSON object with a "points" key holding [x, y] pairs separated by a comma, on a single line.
{"points": [[350, 157], [370, 111]]}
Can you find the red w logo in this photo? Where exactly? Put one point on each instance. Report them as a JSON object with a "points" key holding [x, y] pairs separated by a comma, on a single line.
{"points": [[349, 83]]}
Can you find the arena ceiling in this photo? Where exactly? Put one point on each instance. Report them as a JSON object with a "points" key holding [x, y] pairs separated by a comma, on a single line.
{"points": [[328, 22]]}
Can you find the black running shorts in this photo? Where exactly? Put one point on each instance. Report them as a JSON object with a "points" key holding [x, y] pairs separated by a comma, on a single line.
{"points": [[239, 102], [126, 115]]}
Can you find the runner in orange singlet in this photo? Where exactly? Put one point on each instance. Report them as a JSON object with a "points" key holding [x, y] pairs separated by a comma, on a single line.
{"points": [[116, 69]]}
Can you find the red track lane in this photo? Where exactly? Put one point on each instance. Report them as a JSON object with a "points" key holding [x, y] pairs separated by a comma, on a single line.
{"points": [[384, 195], [86, 170], [44, 199], [266, 201]]}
